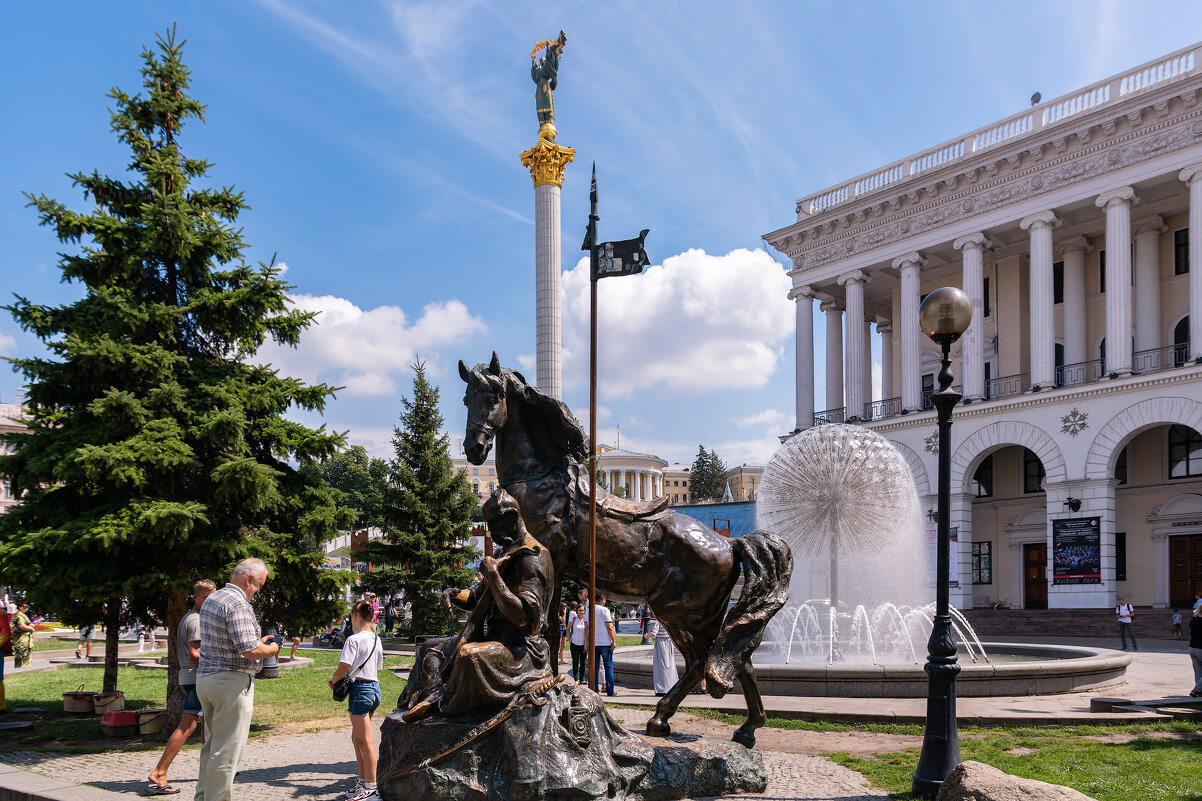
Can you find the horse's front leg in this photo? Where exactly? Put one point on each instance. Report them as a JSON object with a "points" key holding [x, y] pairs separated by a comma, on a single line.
{"points": [[745, 734], [658, 726]]}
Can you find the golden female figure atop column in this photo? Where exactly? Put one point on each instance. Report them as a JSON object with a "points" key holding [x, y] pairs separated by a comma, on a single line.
{"points": [[547, 162]]}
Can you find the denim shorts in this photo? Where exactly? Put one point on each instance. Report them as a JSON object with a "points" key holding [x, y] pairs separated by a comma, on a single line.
{"points": [[364, 697], [191, 700]]}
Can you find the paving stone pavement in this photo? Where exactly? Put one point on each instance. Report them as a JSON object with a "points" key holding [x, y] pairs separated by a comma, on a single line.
{"points": [[321, 766]]}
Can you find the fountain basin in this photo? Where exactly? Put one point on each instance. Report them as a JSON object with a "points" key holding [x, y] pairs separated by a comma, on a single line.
{"points": [[1053, 669]]}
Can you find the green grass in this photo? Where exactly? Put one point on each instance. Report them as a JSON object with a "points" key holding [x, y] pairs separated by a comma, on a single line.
{"points": [[298, 700]]}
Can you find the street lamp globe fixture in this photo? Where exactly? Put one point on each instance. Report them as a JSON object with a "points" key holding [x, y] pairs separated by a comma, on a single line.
{"points": [[945, 314]]}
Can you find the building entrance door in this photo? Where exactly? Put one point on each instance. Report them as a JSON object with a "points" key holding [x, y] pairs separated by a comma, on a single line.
{"points": [[1035, 576], [1185, 570]]}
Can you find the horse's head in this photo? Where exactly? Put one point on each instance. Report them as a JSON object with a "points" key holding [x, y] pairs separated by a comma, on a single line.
{"points": [[485, 402]]}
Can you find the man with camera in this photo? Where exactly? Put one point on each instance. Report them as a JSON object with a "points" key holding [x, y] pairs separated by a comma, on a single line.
{"points": [[231, 648]]}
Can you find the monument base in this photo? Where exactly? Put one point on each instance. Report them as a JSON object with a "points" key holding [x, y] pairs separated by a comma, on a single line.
{"points": [[567, 747]]}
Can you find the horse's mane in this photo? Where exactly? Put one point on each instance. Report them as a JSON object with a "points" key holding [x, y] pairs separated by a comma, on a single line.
{"points": [[562, 425]]}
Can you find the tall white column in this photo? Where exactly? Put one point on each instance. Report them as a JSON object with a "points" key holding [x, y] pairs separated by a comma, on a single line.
{"points": [[1193, 179], [1072, 251], [1147, 290], [972, 353], [853, 373], [834, 354], [1117, 204], [1043, 329], [868, 396], [622, 481], [885, 329], [803, 296], [911, 344]]}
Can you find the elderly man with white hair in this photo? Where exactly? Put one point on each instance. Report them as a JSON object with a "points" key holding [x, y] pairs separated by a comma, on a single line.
{"points": [[230, 651]]}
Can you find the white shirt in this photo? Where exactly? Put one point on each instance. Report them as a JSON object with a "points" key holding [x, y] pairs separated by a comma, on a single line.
{"points": [[356, 649], [601, 632], [1124, 612], [577, 629]]}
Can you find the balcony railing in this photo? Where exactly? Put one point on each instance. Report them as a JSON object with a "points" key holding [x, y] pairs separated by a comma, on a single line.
{"points": [[830, 416], [1157, 359], [1072, 375], [1007, 386], [879, 410]]}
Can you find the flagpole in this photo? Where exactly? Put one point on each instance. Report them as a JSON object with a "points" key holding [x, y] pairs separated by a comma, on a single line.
{"points": [[592, 427]]}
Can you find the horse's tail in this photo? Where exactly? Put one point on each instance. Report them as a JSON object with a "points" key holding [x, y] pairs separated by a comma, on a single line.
{"points": [[767, 564]]}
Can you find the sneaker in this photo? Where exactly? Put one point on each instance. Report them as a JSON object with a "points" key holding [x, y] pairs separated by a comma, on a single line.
{"points": [[78, 655], [356, 789], [365, 794]]}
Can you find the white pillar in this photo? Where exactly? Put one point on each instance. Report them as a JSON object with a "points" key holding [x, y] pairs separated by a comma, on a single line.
{"points": [[803, 296], [885, 329], [1072, 311], [868, 396], [853, 373], [622, 481], [1117, 204], [549, 364], [1147, 290], [972, 353], [911, 344], [834, 354], [1043, 328], [1192, 176], [643, 485]]}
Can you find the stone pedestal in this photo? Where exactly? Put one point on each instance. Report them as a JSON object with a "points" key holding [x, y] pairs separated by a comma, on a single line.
{"points": [[569, 747]]}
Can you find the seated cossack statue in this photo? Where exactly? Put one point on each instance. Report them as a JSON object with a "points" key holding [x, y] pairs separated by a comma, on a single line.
{"points": [[501, 650]]}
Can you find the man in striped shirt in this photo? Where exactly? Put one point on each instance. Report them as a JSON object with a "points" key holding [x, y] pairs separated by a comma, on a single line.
{"points": [[230, 651]]}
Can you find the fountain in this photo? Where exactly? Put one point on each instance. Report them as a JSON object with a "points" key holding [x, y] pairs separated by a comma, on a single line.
{"points": [[862, 591]]}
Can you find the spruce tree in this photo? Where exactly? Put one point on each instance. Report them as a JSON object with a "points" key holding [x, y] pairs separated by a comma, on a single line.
{"points": [[717, 474], [426, 516], [359, 478], [158, 452]]}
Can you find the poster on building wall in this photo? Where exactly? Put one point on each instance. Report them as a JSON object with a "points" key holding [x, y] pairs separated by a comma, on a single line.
{"points": [[953, 552], [1077, 551]]}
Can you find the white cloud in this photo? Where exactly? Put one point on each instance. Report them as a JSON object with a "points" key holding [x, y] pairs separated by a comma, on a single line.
{"points": [[8, 344], [768, 417], [365, 349], [695, 323], [282, 267], [527, 362]]}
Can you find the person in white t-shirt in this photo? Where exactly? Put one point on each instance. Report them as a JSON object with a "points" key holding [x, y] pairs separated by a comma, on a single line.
{"points": [[362, 658], [604, 637], [1125, 614]]}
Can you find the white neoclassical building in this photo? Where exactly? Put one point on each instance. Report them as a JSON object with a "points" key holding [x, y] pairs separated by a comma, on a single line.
{"points": [[12, 420], [639, 475], [1077, 471]]}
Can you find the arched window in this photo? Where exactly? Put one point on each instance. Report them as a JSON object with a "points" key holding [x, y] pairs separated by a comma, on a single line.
{"points": [[1185, 452], [1181, 342]]}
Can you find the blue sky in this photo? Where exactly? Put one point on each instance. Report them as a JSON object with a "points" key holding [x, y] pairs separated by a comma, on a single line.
{"points": [[377, 144]]}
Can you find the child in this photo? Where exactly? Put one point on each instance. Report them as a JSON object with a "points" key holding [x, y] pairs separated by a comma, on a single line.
{"points": [[1176, 624]]}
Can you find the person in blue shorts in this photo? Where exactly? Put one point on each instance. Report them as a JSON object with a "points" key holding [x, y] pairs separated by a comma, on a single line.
{"points": [[189, 654], [362, 659]]}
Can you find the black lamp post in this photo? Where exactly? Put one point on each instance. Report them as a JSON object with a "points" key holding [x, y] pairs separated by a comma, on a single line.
{"points": [[944, 316]]}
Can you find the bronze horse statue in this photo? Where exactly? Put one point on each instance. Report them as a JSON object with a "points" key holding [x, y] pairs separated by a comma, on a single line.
{"points": [[683, 569]]}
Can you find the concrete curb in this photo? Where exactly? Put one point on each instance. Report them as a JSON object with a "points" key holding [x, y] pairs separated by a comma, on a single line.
{"points": [[17, 784]]}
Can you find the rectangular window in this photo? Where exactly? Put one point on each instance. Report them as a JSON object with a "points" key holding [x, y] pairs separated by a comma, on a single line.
{"points": [[1181, 252], [928, 389], [982, 563], [985, 294], [1120, 556], [1101, 271], [1058, 282], [1185, 452], [983, 478], [1032, 472]]}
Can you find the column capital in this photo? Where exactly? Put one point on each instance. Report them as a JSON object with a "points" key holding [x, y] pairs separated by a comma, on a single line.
{"points": [[831, 306], [1043, 218], [884, 326], [855, 276], [1122, 195], [916, 259], [801, 292], [1153, 224], [547, 162], [1076, 243], [1189, 174], [977, 240]]}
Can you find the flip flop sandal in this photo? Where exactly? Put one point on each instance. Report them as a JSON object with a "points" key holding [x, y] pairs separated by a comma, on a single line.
{"points": [[161, 789]]}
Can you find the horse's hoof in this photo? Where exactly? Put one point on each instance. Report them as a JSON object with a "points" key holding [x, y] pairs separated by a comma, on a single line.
{"points": [[717, 691], [744, 738], [657, 729]]}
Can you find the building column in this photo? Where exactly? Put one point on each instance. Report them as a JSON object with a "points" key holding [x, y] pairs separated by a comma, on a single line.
{"points": [[972, 353], [803, 296], [622, 481], [868, 395], [960, 518], [885, 329], [1193, 179], [1097, 500], [834, 354], [1073, 251], [853, 371], [1017, 579], [911, 344], [1147, 290], [1043, 328], [1161, 576], [638, 485], [1117, 204]]}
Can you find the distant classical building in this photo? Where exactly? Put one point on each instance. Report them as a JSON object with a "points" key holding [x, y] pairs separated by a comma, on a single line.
{"points": [[12, 420], [744, 481], [1077, 463], [481, 477], [676, 483], [639, 476]]}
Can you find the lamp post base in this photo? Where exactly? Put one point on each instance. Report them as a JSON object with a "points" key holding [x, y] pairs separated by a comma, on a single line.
{"points": [[941, 743]]}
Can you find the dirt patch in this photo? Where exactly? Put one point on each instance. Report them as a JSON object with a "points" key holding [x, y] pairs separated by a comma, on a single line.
{"points": [[1122, 738], [791, 741], [1020, 750]]}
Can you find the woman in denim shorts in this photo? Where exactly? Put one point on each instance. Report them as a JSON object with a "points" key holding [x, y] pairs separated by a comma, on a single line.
{"points": [[362, 658]]}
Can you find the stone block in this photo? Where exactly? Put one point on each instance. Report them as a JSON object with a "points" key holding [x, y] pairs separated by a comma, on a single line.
{"points": [[1103, 704], [974, 781]]}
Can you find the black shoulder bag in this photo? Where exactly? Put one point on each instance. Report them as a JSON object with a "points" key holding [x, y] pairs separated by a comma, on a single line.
{"points": [[342, 687]]}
